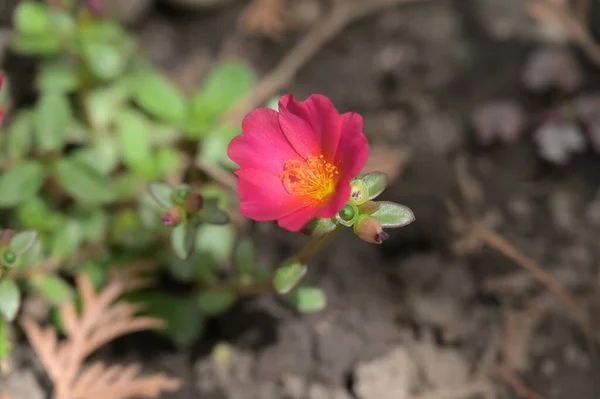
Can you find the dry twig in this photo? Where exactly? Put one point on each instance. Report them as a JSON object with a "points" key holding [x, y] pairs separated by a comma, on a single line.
{"points": [[559, 12], [264, 17], [342, 14], [497, 242], [98, 324]]}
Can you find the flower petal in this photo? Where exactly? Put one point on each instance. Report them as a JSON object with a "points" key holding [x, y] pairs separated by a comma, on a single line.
{"points": [[297, 220], [338, 199], [262, 144], [313, 127], [262, 195], [353, 151]]}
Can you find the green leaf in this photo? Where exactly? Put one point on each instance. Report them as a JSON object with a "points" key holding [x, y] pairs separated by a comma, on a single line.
{"points": [[161, 192], [106, 60], [288, 276], [104, 105], [97, 273], [20, 183], [93, 222], [82, 182], [167, 161], [214, 146], [159, 97], [35, 214], [23, 241], [376, 183], [52, 288], [57, 75], [216, 241], [183, 320], [225, 86], [19, 137], [103, 156], [319, 227], [10, 299], [66, 240], [391, 214], [245, 257], [5, 344], [52, 118], [183, 238], [215, 301], [105, 47], [32, 18], [307, 299], [46, 44], [132, 128], [30, 257], [212, 214]]}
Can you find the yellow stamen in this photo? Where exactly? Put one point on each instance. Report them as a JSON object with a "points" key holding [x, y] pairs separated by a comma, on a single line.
{"points": [[312, 180]]}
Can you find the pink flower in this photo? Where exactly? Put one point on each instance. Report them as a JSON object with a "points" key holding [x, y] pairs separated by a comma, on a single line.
{"points": [[297, 164]]}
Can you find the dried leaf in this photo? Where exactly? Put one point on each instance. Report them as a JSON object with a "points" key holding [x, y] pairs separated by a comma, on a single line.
{"points": [[99, 323], [264, 17]]}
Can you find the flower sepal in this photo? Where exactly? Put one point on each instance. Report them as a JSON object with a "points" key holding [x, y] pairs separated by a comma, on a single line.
{"points": [[14, 245], [390, 214], [376, 183], [211, 213]]}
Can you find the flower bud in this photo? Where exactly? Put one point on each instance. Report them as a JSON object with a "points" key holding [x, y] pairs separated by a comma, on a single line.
{"points": [[173, 216], [347, 216], [193, 202], [369, 229], [9, 257], [359, 193]]}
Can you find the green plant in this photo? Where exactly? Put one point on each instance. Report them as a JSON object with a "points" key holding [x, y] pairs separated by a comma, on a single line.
{"points": [[105, 123], [85, 172]]}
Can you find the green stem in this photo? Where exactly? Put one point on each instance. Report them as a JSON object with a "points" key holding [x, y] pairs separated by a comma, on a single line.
{"points": [[304, 255]]}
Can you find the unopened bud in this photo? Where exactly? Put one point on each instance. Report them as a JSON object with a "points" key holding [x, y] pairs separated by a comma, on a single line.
{"points": [[370, 230], [193, 202], [173, 216], [347, 215], [9, 257], [6, 237], [359, 193]]}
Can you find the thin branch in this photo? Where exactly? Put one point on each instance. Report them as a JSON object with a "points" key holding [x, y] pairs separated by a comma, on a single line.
{"points": [[497, 242], [342, 14], [507, 377], [573, 26]]}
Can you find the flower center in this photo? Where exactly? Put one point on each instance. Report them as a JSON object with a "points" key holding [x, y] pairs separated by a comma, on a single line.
{"points": [[312, 181]]}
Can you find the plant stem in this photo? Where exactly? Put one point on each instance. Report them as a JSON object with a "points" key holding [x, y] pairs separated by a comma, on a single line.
{"points": [[303, 256]]}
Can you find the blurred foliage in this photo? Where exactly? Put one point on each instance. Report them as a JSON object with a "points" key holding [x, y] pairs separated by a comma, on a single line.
{"points": [[106, 125]]}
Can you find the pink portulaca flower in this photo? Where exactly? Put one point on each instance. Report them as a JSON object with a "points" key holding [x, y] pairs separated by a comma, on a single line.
{"points": [[297, 164]]}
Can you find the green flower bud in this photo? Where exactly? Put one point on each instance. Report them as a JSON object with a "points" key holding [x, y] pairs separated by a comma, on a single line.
{"points": [[9, 257], [359, 193], [347, 215]]}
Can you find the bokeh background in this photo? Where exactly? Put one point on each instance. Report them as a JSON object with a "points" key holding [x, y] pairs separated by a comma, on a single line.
{"points": [[485, 115]]}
